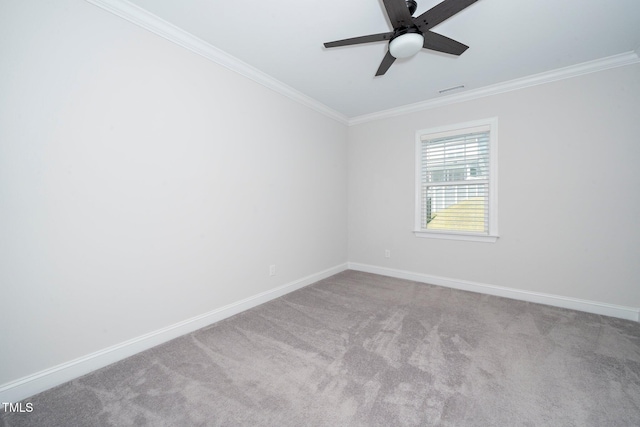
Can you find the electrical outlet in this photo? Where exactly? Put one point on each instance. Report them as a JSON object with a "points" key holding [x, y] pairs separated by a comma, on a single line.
{"points": [[272, 270], [387, 253]]}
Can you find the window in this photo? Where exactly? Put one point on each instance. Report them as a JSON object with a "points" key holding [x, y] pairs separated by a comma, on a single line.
{"points": [[456, 182]]}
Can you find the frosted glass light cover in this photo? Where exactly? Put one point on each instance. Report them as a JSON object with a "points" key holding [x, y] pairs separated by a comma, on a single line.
{"points": [[406, 45]]}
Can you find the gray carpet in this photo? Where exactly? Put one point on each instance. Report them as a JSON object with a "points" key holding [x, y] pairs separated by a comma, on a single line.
{"points": [[359, 349]]}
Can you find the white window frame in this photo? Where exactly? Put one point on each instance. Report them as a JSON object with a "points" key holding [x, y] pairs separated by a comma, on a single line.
{"points": [[460, 129]]}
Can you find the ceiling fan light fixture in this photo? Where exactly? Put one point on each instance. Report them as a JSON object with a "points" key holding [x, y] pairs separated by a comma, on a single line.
{"points": [[406, 45]]}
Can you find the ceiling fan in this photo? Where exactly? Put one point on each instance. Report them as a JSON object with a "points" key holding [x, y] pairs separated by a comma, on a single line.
{"points": [[411, 34]]}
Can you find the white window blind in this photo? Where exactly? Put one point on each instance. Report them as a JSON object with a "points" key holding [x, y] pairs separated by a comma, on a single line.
{"points": [[454, 181]]}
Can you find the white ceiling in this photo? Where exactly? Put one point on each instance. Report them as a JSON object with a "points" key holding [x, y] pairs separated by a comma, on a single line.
{"points": [[508, 39]]}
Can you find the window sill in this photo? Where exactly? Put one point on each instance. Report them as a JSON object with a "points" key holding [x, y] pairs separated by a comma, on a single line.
{"points": [[455, 236]]}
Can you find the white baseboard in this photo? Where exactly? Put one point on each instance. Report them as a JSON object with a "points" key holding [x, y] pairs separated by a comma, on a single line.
{"points": [[28, 386], [22, 388], [622, 312]]}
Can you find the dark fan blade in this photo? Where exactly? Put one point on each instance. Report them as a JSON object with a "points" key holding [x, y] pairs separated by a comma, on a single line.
{"points": [[363, 39], [435, 41], [398, 12], [385, 64], [441, 12]]}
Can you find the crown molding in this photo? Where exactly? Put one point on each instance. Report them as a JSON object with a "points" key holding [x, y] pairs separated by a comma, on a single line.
{"points": [[627, 58], [168, 31]]}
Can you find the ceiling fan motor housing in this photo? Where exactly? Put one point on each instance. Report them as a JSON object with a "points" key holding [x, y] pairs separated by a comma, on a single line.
{"points": [[412, 5]]}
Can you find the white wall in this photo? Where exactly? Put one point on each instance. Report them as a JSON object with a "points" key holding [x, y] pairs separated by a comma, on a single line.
{"points": [[569, 191], [142, 185]]}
